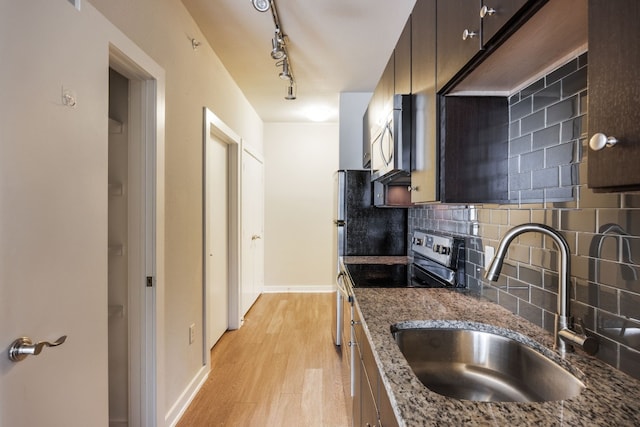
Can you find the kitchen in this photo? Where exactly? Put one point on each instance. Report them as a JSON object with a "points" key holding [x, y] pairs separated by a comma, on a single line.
{"points": [[563, 202], [491, 220]]}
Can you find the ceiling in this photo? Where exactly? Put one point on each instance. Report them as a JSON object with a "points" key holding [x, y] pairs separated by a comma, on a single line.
{"points": [[334, 46]]}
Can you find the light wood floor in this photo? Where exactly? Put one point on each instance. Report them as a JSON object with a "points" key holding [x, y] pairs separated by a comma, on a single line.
{"points": [[279, 369]]}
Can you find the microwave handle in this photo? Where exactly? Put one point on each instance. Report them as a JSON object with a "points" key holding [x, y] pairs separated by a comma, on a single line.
{"points": [[387, 129]]}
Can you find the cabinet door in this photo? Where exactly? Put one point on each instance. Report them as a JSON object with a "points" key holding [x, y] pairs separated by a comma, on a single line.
{"points": [[387, 417], [387, 83], [357, 370], [475, 155], [369, 410], [498, 13], [424, 135], [357, 393], [614, 90], [402, 58], [454, 18]]}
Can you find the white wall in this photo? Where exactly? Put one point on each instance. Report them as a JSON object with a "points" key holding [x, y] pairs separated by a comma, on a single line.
{"points": [[194, 79], [300, 160], [352, 108]]}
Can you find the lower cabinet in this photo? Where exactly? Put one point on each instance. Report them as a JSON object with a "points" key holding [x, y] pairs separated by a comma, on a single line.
{"points": [[371, 404]]}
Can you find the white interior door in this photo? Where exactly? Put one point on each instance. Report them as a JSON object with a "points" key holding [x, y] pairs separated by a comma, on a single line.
{"points": [[216, 238], [53, 215], [252, 229], [221, 274]]}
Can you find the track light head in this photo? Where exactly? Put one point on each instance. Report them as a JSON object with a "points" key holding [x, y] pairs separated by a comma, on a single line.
{"points": [[261, 5], [285, 75], [277, 51], [290, 95]]}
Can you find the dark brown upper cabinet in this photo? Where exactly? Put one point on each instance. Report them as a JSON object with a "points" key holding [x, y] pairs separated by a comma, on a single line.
{"points": [[495, 14], [458, 37], [424, 169], [474, 153], [614, 94], [379, 107], [387, 87], [402, 61]]}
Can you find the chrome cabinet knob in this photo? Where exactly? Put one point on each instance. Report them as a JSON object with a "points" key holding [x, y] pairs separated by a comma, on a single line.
{"points": [[467, 34], [599, 141], [23, 347], [484, 11]]}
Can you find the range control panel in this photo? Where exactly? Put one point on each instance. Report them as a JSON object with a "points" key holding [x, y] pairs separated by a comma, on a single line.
{"points": [[437, 247]]}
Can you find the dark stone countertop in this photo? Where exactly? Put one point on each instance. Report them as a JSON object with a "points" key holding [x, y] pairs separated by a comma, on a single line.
{"points": [[611, 397]]}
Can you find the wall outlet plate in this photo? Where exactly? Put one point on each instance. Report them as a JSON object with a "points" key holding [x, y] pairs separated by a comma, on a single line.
{"points": [[489, 252]]}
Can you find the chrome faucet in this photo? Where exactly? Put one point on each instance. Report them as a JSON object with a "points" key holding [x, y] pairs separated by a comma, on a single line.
{"points": [[564, 335]]}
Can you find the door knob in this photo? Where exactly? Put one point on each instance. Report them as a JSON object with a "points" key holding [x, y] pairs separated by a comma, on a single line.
{"points": [[23, 347], [599, 141], [256, 237]]}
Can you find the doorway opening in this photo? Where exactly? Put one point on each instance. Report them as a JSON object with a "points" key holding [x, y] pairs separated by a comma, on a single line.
{"points": [[136, 237], [118, 238], [221, 248]]}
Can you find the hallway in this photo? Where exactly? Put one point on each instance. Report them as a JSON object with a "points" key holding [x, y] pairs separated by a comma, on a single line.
{"points": [[279, 369]]}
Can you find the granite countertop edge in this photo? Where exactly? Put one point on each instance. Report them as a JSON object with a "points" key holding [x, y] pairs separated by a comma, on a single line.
{"points": [[610, 398]]}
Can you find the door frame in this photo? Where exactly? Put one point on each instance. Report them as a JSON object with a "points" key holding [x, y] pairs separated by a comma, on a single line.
{"points": [[213, 126], [146, 254]]}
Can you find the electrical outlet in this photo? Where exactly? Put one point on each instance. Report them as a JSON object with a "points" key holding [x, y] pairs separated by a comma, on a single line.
{"points": [[489, 252], [192, 333]]}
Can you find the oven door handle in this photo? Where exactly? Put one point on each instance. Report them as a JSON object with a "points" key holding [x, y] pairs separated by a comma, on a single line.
{"points": [[342, 288]]}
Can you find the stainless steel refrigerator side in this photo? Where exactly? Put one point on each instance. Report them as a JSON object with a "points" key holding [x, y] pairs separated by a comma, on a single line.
{"points": [[337, 317]]}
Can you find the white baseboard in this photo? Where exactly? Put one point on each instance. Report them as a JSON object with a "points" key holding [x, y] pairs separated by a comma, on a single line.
{"points": [[178, 409], [275, 289]]}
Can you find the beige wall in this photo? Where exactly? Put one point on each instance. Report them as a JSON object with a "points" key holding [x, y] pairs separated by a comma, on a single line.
{"points": [[300, 160], [194, 79]]}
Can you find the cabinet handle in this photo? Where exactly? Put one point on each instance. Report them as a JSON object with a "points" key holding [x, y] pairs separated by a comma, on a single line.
{"points": [[599, 141], [484, 11], [466, 34], [412, 188]]}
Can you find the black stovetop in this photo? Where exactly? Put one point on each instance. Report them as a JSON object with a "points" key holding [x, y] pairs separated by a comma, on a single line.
{"points": [[390, 276]]}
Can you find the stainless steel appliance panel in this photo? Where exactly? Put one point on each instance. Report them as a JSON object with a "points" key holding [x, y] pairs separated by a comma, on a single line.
{"points": [[363, 229], [391, 145]]}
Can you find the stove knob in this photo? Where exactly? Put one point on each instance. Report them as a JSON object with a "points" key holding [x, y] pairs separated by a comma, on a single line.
{"points": [[436, 248]]}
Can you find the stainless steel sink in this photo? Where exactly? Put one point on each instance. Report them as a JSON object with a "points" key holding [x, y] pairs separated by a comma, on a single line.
{"points": [[483, 366]]}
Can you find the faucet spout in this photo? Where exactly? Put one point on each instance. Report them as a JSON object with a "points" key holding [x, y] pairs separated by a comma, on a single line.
{"points": [[563, 333]]}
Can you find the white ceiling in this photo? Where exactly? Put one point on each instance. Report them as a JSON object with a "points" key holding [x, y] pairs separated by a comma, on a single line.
{"points": [[334, 46]]}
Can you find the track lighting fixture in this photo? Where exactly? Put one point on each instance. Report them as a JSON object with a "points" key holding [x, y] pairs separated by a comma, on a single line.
{"points": [[290, 94], [261, 5], [279, 46], [284, 75]]}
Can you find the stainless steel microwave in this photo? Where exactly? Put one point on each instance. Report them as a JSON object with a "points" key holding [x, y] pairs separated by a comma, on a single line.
{"points": [[391, 145]]}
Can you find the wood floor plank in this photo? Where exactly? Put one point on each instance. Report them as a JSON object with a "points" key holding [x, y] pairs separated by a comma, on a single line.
{"points": [[279, 369]]}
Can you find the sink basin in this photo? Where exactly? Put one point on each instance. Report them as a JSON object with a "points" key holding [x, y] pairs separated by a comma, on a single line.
{"points": [[483, 366]]}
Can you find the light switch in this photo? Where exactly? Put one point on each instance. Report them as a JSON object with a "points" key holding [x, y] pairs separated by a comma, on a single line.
{"points": [[192, 333]]}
